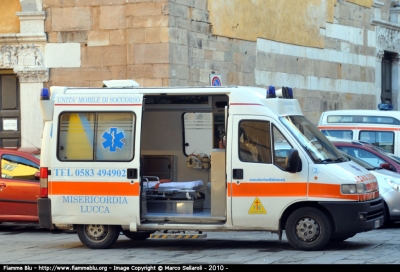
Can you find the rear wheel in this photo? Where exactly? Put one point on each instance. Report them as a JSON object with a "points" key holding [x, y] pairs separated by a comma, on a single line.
{"points": [[138, 235], [308, 229], [341, 238], [97, 236]]}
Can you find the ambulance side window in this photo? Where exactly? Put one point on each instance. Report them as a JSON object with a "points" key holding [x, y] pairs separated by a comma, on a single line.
{"points": [[96, 136], [343, 134], [382, 139], [254, 141], [281, 148]]}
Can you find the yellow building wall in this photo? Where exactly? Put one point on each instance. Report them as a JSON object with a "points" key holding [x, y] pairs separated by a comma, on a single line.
{"points": [[364, 3], [294, 22], [9, 22]]}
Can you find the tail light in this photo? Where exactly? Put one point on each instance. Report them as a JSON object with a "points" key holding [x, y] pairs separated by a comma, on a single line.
{"points": [[44, 173]]}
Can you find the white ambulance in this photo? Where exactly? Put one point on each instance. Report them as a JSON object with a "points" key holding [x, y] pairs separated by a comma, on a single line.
{"points": [[177, 162], [378, 127]]}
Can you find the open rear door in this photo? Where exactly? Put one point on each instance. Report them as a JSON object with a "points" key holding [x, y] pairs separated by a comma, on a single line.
{"points": [[95, 169]]}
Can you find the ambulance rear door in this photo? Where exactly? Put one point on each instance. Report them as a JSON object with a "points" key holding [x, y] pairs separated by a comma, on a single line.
{"points": [[94, 176]]}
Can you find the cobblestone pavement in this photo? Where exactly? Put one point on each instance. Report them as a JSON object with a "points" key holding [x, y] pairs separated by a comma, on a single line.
{"points": [[30, 244]]}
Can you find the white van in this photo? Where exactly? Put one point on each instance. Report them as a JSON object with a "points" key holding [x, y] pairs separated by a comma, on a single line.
{"points": [[177, 162], [379, 127]]}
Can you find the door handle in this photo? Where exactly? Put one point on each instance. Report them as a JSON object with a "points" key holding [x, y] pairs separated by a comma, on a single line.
{"points": [[237, 174], [132, 173], [2, 186]]}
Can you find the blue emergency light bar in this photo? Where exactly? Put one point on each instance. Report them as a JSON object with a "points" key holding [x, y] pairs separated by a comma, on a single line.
{"points": [[290, 92], [285, 92], [271, 92], [45, 94], [385, 107]]}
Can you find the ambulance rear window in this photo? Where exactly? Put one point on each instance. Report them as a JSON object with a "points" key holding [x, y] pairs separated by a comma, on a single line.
{"points": [[363, 119], [96, 136]]}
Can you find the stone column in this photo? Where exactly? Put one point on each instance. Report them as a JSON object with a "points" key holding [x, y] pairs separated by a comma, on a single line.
{"points": [[395, 82], [378, 75], [32, 74], [377, 9], [30, 69], [395, 15]]}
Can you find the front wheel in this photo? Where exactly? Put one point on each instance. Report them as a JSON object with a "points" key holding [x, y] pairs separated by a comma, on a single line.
{"points": [[387, 223], [97, 236], [139, 235], [340, 238], [308, 229]]}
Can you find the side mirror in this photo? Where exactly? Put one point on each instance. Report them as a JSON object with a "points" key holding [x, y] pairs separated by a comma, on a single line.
{"points": [[293, 161], [386, 166]]}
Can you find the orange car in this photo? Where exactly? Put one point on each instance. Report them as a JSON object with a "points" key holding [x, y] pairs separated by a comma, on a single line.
{"points": [[19, 184]]}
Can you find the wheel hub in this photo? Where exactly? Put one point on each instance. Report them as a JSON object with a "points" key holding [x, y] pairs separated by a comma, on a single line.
{"points": [[96, 232], [307, 229]]}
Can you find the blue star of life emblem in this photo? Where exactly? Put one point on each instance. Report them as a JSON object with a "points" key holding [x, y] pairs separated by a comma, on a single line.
{"points": [[113, 139]]}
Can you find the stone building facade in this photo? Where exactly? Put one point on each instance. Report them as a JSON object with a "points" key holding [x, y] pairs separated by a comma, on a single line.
{"points": [[22, 72], [336, 54]]}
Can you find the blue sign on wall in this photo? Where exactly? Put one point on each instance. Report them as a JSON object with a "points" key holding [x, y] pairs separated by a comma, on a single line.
{"points": [[215, 80]]}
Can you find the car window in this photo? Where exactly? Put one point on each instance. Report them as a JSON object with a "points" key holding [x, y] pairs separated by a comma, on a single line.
{"points": [[254, 141], [358, 161], [364, 155], [386, 154], [343, 134], [382, 139], [281, 148], [16, 167]]}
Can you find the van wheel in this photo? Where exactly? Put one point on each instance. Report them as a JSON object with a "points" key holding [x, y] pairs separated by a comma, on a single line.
{"points": [[387, 223], [138, 235], [98, 236], [308, 229], [341, 238]]}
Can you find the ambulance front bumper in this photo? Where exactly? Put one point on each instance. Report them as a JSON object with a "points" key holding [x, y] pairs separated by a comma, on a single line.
{"points": [[353, 217]]}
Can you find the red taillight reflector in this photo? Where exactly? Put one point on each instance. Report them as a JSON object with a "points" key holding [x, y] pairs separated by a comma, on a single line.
{"points": [[43, 193], [44, 173]]}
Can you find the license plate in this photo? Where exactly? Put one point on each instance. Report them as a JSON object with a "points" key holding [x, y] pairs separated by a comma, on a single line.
{"points": [[377, 223]]}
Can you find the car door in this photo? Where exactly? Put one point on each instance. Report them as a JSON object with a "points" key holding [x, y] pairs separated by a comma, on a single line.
{"points": [[95, 167], [19, 188], [260, 187]]}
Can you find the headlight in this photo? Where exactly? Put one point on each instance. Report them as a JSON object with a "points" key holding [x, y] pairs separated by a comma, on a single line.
{"points": [[358, 188], [394, 184]]}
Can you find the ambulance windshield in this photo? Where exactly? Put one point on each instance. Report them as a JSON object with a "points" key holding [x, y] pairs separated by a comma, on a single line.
{"points": [[320, 149]]}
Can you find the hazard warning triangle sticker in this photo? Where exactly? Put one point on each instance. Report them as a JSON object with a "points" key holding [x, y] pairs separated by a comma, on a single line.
{"points": [[257, 207]]}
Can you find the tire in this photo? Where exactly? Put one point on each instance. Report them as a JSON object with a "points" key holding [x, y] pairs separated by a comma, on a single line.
{"points": [[308, 229], [137, 236], [387, 223], [97, 236], [340, 238]]}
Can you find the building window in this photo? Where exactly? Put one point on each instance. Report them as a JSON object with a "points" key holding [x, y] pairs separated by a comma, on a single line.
{"points": [[387, 61]]}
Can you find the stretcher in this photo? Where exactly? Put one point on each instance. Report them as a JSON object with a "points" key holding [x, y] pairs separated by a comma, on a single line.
{"points": [[156, 188]]}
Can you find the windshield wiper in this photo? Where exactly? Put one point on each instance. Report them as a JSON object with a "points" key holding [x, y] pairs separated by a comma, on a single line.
{"points": [[331, 160], [340, 160], [324, 160]]}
